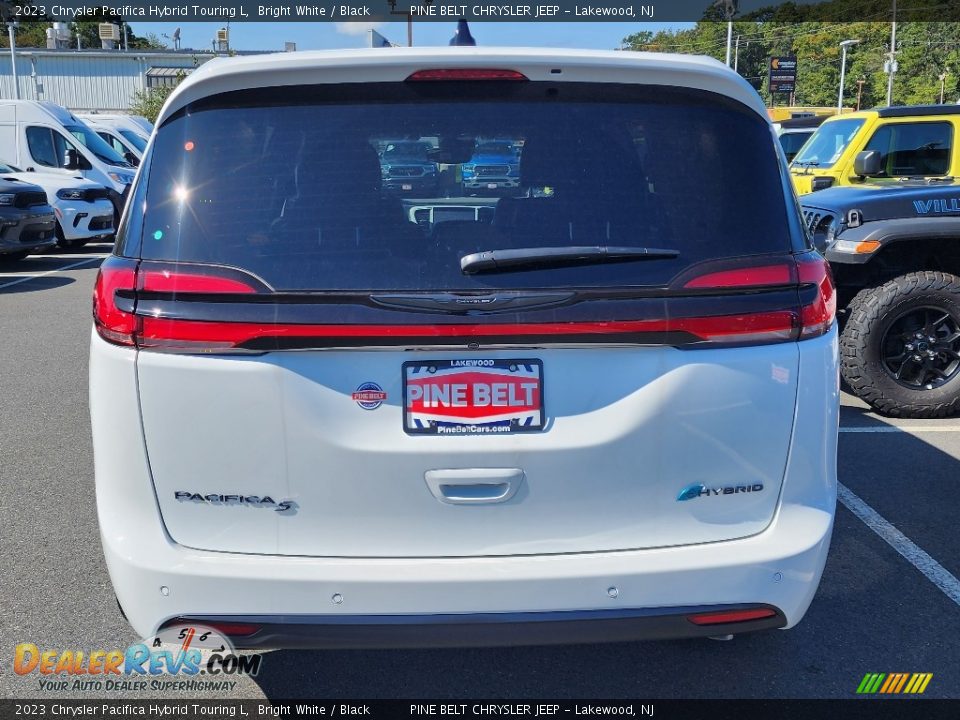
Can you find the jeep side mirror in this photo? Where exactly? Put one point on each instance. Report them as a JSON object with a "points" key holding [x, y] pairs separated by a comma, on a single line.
{"points": [[867, 163]]}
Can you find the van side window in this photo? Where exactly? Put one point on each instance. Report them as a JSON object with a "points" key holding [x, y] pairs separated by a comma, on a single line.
{"points": [[913, 149], [40, 142]]}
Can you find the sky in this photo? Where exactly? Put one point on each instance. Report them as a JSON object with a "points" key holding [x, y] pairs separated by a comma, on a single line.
{"points": [[329, 35]]}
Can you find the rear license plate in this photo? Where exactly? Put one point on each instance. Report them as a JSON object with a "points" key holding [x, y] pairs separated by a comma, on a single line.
{"points": [[407, 186], [473, 396], [491, 186]]}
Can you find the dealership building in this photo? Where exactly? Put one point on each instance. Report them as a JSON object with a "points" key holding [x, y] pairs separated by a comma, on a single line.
{"points": [[93, 79]]}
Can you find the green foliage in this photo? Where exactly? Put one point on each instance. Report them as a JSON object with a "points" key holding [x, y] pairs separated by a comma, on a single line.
{"points": [[925, 51], [149, 102], [33, 33]]}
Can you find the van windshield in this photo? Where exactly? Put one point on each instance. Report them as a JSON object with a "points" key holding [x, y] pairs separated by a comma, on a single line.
{"points": [[95, 144], [138, 142], [295, 185], [828, 143]]}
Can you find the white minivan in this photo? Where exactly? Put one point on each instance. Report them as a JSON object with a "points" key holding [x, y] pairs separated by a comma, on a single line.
{"points": [[42, 136], [601, 406]]}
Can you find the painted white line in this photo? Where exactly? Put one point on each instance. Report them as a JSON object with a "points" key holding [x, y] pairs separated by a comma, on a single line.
{"points": [[934, 571], [51, 272], [902, 429]]}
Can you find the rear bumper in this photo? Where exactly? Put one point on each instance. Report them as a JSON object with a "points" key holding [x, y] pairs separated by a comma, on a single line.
{"points": [[156, 579], [484, 630]]}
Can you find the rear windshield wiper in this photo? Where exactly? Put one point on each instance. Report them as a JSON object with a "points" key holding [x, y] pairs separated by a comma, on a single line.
{"points": [[505, 260]]}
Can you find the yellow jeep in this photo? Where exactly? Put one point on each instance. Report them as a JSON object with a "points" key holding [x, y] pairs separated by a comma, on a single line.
{"points": [[882, 145]]}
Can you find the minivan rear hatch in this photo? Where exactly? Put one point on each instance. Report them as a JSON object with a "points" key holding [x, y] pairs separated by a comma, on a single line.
{"points": [[603, 358]]}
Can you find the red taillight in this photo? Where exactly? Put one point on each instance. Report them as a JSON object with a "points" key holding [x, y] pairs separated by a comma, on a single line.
{"points": [[172, 281], [113, 323], [465, 74], [779, 274], [731, 616], [810, 320], [817, 317], [114, 315]]}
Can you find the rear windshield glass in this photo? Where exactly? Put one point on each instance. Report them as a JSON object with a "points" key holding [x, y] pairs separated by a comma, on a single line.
{"points": [[302, 187]]}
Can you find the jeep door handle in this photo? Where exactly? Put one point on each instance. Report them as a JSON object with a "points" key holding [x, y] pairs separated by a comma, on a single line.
{"points": [[474, 486]]}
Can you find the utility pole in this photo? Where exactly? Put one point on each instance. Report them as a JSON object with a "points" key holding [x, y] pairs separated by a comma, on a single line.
{"points": [[943, 84], [11, 27], [892, 61], [860, 83], [736, 55]]}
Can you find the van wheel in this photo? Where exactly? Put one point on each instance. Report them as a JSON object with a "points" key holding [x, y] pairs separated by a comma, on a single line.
{"points": [[900, 348], [67, 244]]}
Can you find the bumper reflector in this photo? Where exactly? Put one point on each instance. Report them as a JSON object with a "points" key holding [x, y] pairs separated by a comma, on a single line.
{"points": [[731, 616]]}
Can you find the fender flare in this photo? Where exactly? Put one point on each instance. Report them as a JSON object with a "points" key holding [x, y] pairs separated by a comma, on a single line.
{"points": [[887, 232]]}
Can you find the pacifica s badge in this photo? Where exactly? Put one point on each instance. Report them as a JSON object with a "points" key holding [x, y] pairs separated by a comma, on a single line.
{"points": [[249, 500]]}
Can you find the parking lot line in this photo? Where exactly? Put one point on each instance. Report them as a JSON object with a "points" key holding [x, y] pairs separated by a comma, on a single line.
{"points": [[916, 556], [902, 429], [51, 272]]}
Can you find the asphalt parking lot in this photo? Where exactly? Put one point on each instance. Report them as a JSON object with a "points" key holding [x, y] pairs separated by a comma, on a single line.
{"points": [[889, 600]]}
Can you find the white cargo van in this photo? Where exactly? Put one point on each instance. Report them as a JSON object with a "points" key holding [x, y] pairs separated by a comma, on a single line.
{"points": [[42, 136], [127, 125], [128, 145]]}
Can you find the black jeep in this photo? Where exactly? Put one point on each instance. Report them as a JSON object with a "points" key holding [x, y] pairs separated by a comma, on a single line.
{"points": [[895, 253]]}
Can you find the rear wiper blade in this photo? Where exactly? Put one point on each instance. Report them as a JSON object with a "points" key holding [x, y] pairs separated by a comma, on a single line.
{"points": [[505, 260]]}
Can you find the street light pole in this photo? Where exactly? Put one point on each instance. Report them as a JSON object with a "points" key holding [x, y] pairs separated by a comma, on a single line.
{"points": [[729, 40], [843, 71], [11, 26], [892, 62]]}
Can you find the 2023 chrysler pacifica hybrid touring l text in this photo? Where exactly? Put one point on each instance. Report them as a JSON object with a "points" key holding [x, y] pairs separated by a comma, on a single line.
{"points": [[603, 406]]}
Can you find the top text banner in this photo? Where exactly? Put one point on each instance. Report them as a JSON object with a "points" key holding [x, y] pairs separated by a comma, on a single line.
{"points": [[441, 10]]}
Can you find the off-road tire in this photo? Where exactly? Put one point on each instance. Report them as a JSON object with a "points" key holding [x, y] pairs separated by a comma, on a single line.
{"points": [[869, 314]]}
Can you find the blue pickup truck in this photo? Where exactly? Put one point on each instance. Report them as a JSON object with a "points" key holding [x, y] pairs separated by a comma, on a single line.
{"points": [[494, 167], [405, 168]]}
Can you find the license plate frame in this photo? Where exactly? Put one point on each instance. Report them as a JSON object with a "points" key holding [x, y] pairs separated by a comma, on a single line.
{"points": [[521, 383]]}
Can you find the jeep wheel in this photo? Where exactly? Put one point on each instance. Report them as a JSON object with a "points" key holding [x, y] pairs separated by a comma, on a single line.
{"points": [[900, 348]]}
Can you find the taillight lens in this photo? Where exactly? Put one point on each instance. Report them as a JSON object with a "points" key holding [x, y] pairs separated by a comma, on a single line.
{"points": [[113, 314], [113, 323], [803, 283], [817, 318], [759, 276], [813, 318], [167, 280]]}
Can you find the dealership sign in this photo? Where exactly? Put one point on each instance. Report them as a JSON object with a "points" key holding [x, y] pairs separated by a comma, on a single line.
{"points": [[783, 74]]}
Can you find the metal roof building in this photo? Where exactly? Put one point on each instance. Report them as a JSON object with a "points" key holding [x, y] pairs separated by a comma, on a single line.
{"points": [[93, 79]]}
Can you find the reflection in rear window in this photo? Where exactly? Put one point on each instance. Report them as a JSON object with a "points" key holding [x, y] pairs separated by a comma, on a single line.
{"points": [[304, 196]]}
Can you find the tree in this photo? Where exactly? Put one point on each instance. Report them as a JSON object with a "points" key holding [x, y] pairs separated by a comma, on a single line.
{"points": [[925, 51], [149, 102]]}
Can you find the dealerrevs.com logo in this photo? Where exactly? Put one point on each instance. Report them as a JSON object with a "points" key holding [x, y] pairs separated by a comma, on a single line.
{"points": [[179, 658]]}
